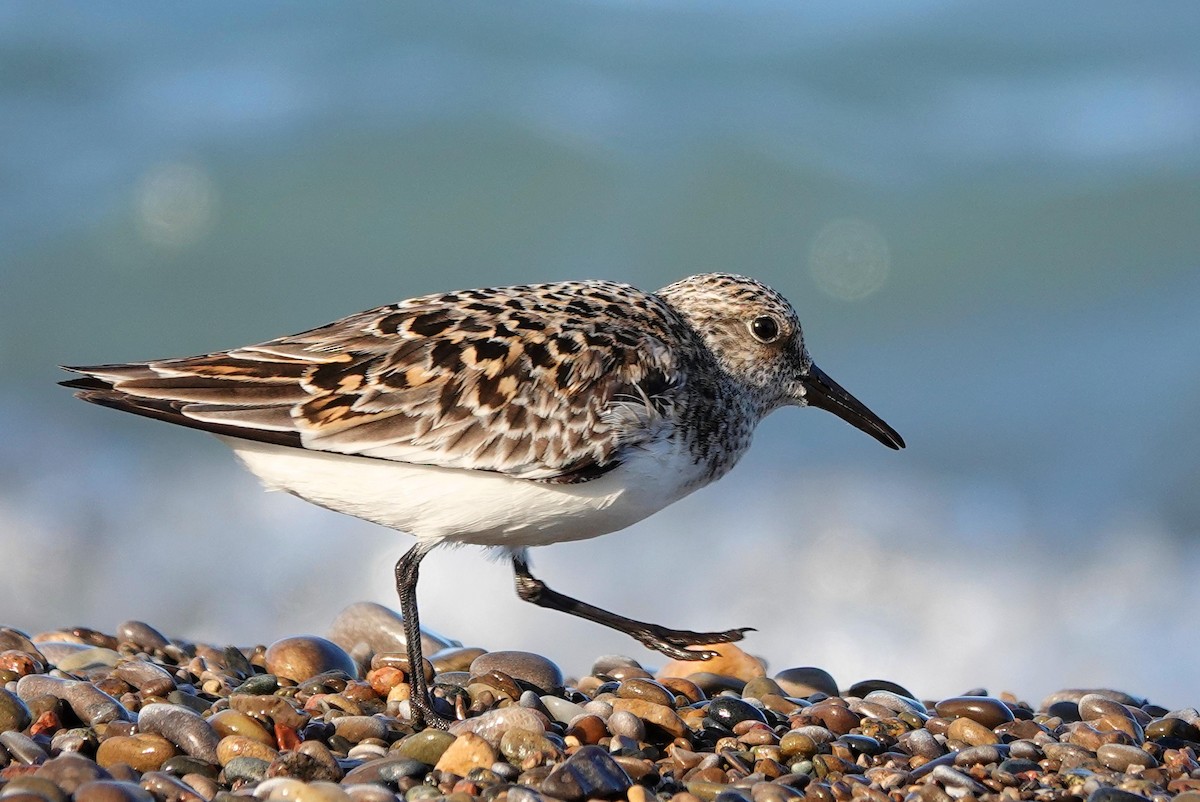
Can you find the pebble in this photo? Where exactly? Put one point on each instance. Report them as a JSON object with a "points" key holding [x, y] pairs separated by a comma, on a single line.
{"points": [[88, 702], [143, 751], [492, 724], [561, 709], [303, 657], [1120, 757], [70, 771], [971, 732], [467, 752], [112, 791], [216, 719], [183, 727], [590, 773], [142, 636], [427, 746], [14, 715], [805, 681], [235, 746], [372, 628], [660, 716], [23, 749], [986, 710], [627, 725], [527, 667], [232, 722]]}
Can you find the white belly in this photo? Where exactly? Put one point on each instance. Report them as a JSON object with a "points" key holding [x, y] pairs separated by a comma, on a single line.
{"points": [[483, 508]]}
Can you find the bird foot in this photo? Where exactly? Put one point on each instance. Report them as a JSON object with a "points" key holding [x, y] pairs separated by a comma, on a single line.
{"points": [[671, 642]]}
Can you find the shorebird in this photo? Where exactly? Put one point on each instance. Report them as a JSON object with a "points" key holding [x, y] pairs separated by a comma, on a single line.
{"points": [[507, 417]]}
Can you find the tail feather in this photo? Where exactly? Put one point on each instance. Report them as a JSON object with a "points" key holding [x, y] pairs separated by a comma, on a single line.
{"points": [[96, 389]]}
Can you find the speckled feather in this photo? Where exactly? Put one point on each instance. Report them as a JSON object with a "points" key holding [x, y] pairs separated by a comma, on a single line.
{"points": [[551, 382]]}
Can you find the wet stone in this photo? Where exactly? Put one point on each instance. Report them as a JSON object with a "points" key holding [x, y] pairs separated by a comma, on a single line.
{"points": [[971, 732], [660, 716], [250, 769], [590, 773], [1120, 757], [303, 657], [468, 751], [232, 722], [647, 689], [986, 710], [426, 746], [14, 715], [359, 728], [70, 771], [170, 789], [527, 667], [730, 661], [91, 705], [492, 724], [805, 681], [729, 712], [142, 636], [22, 748], [560, 709], [372, 628], [527, 749], [1106, 794], [112, 791], [143, 751], [865, 687], [181, 726], [627, 725], [234, 746], [896, 702], [1160, 728]]}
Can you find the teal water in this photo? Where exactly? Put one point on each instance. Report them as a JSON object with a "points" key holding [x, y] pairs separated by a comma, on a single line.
{"points": [[987, 217]]}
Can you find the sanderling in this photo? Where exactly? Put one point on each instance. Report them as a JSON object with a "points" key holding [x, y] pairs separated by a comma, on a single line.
{"points": [[508, 417]]}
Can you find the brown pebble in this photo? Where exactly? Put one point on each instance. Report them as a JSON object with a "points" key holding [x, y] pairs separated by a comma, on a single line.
{"points": [[233, 746], [647, 689], [658, 715], [112, 791], [181, 726], [303, 657], [144, 751], [269, 708], [469, 751], [1120, 757], [233, 722], [168, 788], [587, 729], [681, 686], [527, 667], [987, 710], [971, 732]]}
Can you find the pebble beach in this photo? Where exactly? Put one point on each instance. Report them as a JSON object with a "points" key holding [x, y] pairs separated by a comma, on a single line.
{"points": [[137, 716]]}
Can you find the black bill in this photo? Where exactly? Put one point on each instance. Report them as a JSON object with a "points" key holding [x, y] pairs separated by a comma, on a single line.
{"points": [[823, 392]]}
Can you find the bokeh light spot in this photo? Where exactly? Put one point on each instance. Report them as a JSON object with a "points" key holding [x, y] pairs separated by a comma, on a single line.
{"points": [[849, 259], [175, 204]]}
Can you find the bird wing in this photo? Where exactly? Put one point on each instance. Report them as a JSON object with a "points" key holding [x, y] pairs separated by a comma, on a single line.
{"points": [[551, 382]]}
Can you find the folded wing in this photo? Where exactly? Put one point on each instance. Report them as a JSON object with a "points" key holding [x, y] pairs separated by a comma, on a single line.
{"points": [[533, 382]]}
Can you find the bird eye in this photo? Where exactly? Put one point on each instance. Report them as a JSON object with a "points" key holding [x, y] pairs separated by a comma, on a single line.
{"points": [[764, 328]]}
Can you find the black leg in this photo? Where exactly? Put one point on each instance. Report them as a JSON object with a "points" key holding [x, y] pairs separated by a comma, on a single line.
{"points": [[668, 641], [406, 587]]}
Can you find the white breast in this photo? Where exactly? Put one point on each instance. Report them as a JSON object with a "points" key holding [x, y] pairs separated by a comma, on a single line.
{"points": [[479, 507]]}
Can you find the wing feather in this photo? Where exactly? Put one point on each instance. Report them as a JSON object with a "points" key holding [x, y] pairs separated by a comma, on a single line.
{"points": [[551, 382]]}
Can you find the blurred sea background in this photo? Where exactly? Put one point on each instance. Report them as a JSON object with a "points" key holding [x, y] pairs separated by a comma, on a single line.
{"points": [[988, 216]]}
